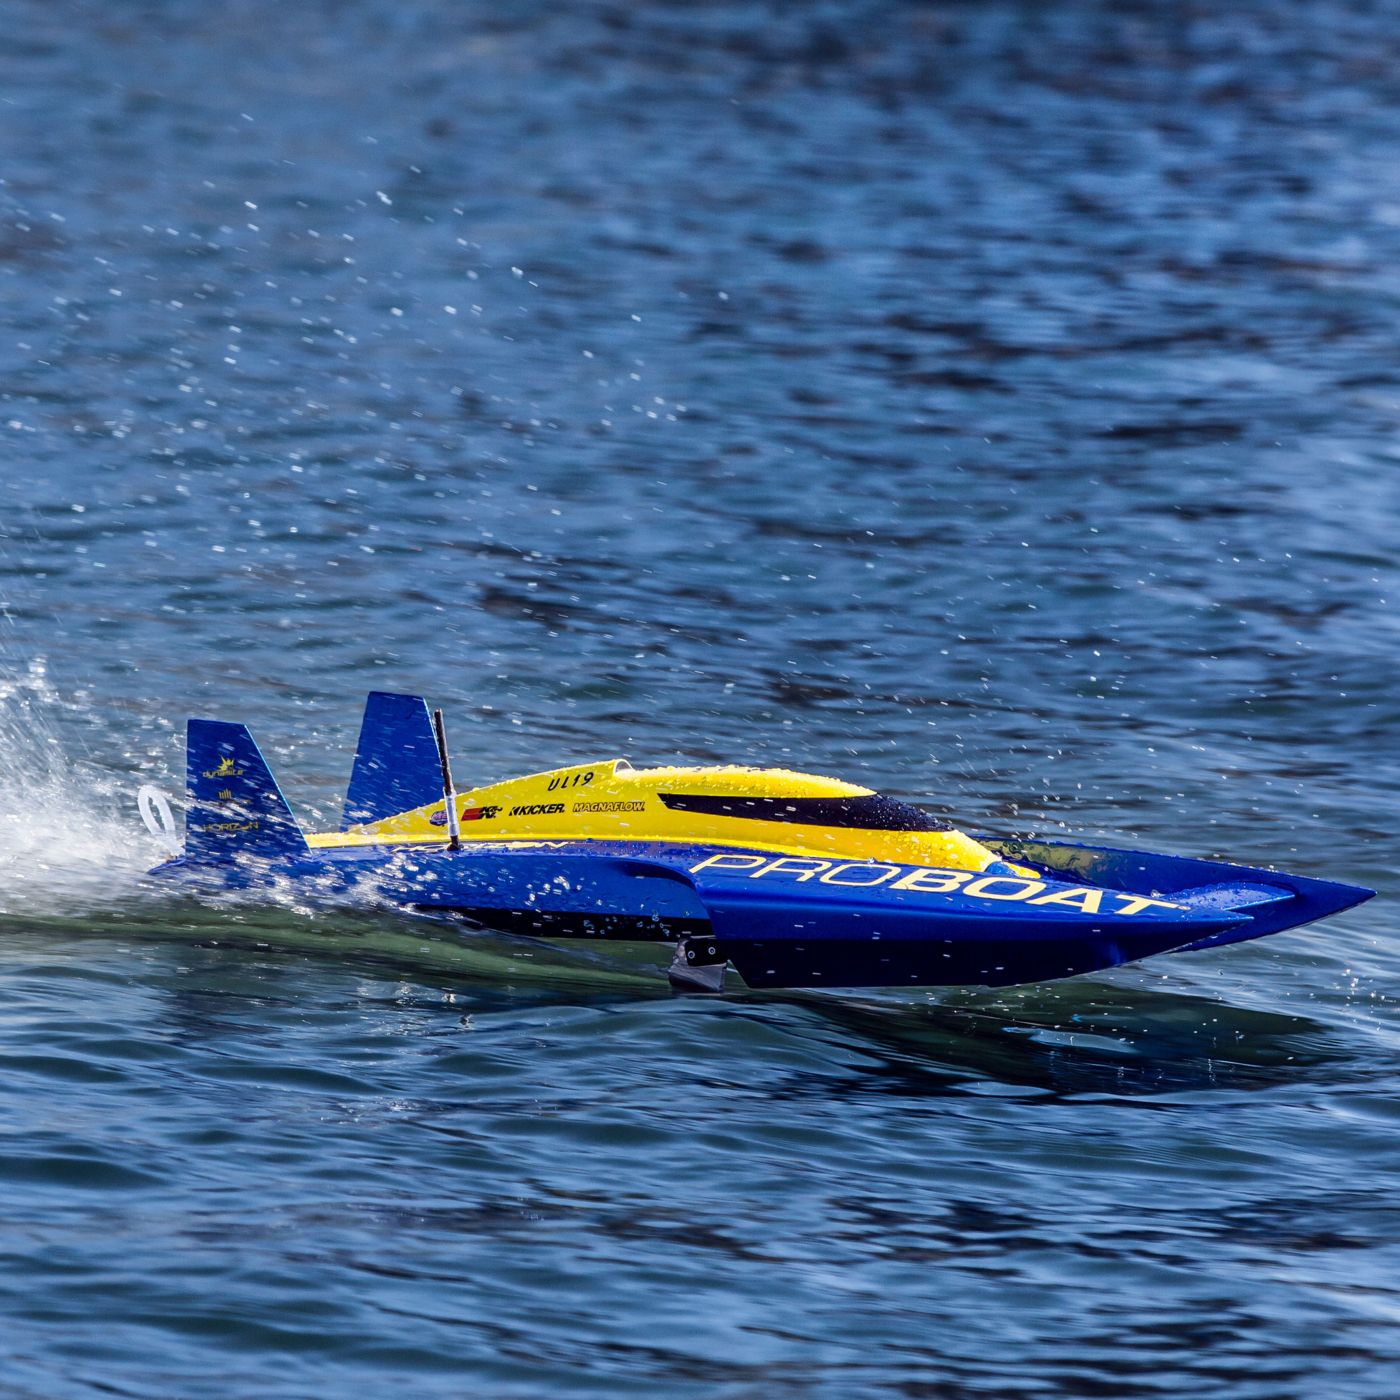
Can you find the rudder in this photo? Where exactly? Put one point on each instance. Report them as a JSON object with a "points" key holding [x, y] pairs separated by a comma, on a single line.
{"points": [[396, 760], [236, 810]]}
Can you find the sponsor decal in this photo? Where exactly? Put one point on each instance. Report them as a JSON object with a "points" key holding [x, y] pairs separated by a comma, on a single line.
{"points": [[226, 769], [468, 814], [610, 806], [538, 809], [225, 795], [568, 780], [859, 874], [232, 828]]}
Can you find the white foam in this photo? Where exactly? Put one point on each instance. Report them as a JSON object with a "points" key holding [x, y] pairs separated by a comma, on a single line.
{"points": [[70, 836]]}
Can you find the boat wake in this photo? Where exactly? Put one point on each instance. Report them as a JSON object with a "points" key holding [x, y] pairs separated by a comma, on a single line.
{"points": [[71, 837], [70, 840], [72, 845]]}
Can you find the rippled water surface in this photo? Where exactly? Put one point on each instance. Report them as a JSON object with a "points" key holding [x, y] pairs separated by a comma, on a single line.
{"points": [[996, 404]]}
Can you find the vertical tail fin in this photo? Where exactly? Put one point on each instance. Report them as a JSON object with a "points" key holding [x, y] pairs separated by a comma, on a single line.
{"points": [[236, 809], [396, 761]]}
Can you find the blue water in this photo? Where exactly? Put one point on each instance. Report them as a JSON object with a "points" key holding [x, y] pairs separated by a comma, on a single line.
{"points": [[998, 405]]}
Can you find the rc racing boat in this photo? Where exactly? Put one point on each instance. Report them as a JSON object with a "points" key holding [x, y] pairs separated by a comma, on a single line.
{"points": [[791, 879]]}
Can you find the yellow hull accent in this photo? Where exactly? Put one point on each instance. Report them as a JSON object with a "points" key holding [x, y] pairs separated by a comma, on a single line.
{"points": [[613, 801]]}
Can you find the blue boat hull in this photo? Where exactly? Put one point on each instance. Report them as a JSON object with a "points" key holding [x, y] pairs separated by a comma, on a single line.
{"points": [[1044, 910], [804, 922]]}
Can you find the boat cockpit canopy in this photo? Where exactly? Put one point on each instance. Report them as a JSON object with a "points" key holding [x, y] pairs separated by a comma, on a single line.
{"points": [[871, 812]]}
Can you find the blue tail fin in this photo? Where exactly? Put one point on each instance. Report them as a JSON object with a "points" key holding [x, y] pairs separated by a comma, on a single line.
{"points": [[236, 809], [396, 761]]}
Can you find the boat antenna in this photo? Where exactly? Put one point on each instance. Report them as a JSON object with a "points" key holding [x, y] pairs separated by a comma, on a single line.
{"points": [[449, 793]]}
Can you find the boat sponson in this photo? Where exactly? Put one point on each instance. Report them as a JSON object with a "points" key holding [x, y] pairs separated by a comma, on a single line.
{"points": [[1271, 900]]}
